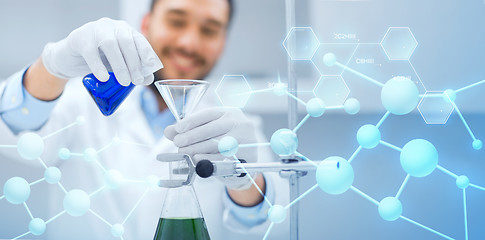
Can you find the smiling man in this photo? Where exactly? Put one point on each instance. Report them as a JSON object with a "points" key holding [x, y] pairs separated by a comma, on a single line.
{"points": [[188, 36]]}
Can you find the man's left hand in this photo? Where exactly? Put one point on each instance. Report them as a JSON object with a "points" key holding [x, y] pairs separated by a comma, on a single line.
{"points": [[198, 135]]}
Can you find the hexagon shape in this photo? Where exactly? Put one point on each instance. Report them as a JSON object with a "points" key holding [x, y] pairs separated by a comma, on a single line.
{"points": [[332, 90], [370, 60], [301, 43], [399, 43], [233, 91], [434, 108], [343, 52]]}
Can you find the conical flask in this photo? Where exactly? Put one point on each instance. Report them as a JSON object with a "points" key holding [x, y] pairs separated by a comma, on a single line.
{"points": [[181, 95], [181, 218], [107, 95]]}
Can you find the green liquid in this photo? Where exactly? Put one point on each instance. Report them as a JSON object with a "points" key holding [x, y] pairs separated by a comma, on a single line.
{"points": [[181, 229]]}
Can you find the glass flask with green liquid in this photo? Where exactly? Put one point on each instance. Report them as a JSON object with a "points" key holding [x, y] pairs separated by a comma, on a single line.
{"points": [[181, 218]]}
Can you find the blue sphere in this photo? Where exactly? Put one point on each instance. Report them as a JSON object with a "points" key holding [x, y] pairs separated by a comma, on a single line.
{"points": [[352, 106], [113, 179], [284, 142], [80, 120], [462, 182], [400, 96], [16, 190], [52, 175], [390, 208], [477, 144], [90, 155], [76, 203], [280, 89], [64, 153], [30, 146], [228, 146], [315, 107], [277, 214], [368, 136], [117, 230], [37, 226], [329, 59], [334, 175], [449, 95], [419, 158]]}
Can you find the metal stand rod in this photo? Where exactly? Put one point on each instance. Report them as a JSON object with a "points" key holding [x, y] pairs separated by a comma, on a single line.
{"points": [[292, 121], [275, 167]]}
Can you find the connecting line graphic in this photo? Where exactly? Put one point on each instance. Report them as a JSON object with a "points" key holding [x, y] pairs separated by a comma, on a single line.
{"points": [[255, 184], [30, 146], [463, 183], [344, 67], [364, 195], [470, 86], [79, 121], [306, 159], [250, 145], [28, 211], [427, 228], [477, 144], [354, 155], [390, 146], [301, 196], [378, 125], [37, 226], [100, 218], [464, 214], [301, 123], [369, 136], [339, 171], [372, 200], [134, 207], [277, 214], [398, 194], [98, 191], [450, 95], [8, 146], [268, 231]]}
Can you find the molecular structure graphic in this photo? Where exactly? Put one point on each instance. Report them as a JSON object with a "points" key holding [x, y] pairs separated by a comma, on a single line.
{"points": [[77, 202], [334, 175], [399, 96]]}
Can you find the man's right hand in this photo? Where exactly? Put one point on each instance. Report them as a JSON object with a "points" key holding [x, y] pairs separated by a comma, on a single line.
{"points": [[87, 49]]}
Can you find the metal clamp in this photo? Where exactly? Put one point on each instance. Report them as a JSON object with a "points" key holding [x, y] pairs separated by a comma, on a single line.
{"points": [[177, 157]]}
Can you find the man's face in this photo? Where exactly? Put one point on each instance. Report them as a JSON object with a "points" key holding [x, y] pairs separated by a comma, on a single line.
{"points": [[187, 35]]}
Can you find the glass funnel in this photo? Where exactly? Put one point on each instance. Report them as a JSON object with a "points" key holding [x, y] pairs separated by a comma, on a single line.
{"points": [[181, 95]]}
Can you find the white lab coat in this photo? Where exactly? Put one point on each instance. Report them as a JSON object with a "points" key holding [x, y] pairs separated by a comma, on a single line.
{"points": [[135, 162]]}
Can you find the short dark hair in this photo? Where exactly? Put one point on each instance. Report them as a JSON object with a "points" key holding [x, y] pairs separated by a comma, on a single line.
{"points": [[231, 9]]}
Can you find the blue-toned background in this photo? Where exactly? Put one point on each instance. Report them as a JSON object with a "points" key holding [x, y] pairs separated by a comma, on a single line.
{"points": [[450, 54]]}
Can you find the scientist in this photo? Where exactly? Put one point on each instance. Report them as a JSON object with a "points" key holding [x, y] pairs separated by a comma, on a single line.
{"points": [[188, 36]]}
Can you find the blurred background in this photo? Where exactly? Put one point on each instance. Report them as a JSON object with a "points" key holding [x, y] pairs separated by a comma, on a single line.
{"points": [[450, 54]]}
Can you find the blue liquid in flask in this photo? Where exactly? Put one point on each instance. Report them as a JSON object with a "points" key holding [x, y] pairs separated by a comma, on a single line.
{"points": [[107, 95]]}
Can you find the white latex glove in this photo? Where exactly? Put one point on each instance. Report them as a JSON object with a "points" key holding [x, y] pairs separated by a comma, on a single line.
{"points": [[197, 135], [99, 44]]}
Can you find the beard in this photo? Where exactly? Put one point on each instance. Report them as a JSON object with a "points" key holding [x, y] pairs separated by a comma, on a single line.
{"points": [[202, 66]]}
